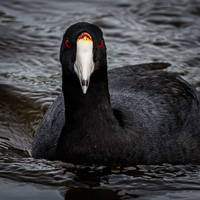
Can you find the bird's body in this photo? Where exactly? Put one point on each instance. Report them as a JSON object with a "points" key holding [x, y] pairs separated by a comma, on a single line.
{"points": [[132, 115]]}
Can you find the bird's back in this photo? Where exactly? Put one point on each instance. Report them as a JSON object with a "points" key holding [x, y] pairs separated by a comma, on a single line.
{"points": [[160, 107]]}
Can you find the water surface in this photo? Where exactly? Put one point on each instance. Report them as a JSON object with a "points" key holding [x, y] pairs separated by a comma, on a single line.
{"points": [[135, 32]]}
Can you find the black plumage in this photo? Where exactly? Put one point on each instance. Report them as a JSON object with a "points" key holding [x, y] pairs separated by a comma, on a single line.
{"points": [[136, 114]]}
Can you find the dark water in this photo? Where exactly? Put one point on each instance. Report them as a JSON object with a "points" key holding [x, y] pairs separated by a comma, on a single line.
{"points": [[135, 31]]}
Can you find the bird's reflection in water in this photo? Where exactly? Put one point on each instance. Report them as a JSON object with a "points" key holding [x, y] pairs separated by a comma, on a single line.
{"points": [[90, 194]]}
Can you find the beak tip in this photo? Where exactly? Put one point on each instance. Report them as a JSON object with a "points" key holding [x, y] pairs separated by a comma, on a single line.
{"points": [[84, 89], [84, 85]]}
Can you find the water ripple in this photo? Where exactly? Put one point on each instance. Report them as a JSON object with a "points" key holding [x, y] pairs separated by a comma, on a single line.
{"points": [[30, 79]]}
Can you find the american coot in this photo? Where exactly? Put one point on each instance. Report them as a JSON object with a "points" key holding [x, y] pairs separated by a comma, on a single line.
{"points": [[149, 116]]}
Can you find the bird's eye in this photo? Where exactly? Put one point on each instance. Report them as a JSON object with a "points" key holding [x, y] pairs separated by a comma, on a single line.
{"points": [[100, 44], [68, 45]]}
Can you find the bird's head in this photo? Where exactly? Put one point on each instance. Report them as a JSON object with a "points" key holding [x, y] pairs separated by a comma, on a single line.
{"points": [[83, 52]]}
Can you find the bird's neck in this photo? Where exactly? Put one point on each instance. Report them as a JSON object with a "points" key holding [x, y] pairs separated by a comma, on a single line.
{"points": [[92, 107], [91, 131]]}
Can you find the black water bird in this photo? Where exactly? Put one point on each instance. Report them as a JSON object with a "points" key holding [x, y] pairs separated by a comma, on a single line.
{"points": [[136, 114]]}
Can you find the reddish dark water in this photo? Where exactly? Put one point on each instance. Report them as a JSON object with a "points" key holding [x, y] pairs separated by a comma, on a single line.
{"points": [[135, 32]]}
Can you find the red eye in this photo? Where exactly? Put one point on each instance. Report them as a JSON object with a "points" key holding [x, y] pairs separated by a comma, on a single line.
{"points": [[67, 44], [100, 44]]}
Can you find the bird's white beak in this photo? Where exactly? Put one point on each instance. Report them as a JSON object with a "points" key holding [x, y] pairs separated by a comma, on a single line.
{"points": [[84, 64]]}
